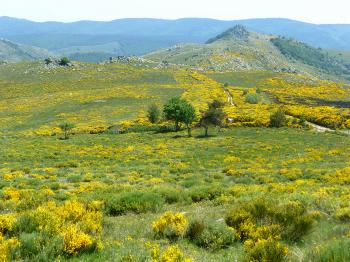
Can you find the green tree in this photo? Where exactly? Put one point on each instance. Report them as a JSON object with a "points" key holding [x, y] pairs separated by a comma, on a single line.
{"points": [[66, 128], [153, 113], [172, 111], [213, 116], [180, 111]]}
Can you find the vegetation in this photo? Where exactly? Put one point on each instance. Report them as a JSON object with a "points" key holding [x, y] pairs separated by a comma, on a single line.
{"points": [[64, 61], [66, 129], [153, 114], [310, 55], [180, 111], [125, 187], [278, 118], [213, 116]]}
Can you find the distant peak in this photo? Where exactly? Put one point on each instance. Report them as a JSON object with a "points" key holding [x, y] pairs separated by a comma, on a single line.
{"points": [[237, 32]]}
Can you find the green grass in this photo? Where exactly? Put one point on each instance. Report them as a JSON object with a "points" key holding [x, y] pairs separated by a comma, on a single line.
{"points": [[243, 79]]}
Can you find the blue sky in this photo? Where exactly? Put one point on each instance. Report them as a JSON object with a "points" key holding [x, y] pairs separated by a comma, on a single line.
{"points": [[315, 11]]}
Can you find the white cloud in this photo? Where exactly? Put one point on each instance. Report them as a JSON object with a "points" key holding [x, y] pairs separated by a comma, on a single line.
{"points": [[316, 11]]}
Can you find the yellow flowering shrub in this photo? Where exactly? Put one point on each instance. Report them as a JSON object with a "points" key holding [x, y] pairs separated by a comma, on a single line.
{"points": [[79, 225], [6, 222], [266, 250], [5, 246], [170, 254], [343, 214], [74, 241], [170, 225]]}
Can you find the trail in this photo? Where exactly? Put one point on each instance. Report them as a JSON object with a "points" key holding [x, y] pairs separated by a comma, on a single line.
{"points": [[229, 97]]}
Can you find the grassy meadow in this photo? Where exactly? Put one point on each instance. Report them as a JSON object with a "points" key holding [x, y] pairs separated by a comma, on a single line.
{"points": [[248, 192]]}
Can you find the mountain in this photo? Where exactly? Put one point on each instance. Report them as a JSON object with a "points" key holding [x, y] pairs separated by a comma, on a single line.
{"points": [[13, 52], [140, 36], [238, 49]]}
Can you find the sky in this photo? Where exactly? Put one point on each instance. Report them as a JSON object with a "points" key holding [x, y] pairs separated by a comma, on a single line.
{"points": [[313, 11]]}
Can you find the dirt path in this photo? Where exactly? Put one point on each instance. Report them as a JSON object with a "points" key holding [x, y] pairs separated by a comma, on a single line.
{"points": [[229, 97]]}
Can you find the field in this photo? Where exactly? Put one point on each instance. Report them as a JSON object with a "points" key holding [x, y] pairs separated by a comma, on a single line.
{"points": [[248, 192]]}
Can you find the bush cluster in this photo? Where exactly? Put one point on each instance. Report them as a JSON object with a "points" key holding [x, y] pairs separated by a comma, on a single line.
{"points": [[263, 223], [210, 235], [137, 202], [203, 233]]}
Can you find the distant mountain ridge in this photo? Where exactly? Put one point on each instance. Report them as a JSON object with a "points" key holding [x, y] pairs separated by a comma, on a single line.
{"points": [[140, 36], [12, 52]]}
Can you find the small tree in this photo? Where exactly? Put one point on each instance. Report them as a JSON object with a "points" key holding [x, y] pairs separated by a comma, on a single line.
{"points": [[278, 118], [188, 116], [64, 61], [172, 111], [66, 128], [180, 111], [153, 113], [213, 116]]}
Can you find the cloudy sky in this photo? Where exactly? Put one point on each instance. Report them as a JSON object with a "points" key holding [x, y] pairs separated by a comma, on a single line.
{"points": [[315, 11]]}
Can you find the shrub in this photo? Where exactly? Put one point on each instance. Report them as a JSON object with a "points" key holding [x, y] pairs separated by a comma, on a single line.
{"points": [[290, 220], [293, 218], [195, 229], [343, 214], [64, 61], [7, 222], [25, 223], [278, 119], [201, 193], [6, 246], [212, 236], [170, 254], [40, 246], [75, 241], [137, 202], [171, 195], [170, 225], [153, 113], [76, 225], [242, 221], [252, 98], [66, 128], [266, 250], [48, 61]]}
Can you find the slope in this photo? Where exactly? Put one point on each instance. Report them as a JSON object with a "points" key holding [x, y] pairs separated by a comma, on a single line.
{"points": [[13, 52]]}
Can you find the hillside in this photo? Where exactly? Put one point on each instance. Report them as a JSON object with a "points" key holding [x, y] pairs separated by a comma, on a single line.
{"points": [[238, 49], [13, 52], [113, 189], [119, 35], [317, 58]]}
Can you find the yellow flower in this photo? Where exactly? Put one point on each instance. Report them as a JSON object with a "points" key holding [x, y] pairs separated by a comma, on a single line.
{"points": [[74, 240], [171, 225]]}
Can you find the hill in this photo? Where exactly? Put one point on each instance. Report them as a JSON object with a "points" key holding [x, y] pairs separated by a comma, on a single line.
{"points": [[238, 49], [13, 52], [118, 35]]}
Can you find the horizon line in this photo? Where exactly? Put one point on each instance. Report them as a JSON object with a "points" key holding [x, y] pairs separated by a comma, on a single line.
{"points": [[169, 19]]}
